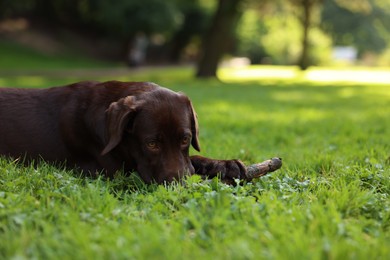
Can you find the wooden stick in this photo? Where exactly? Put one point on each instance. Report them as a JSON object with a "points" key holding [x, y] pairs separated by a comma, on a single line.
{"points": [[260, 169]]}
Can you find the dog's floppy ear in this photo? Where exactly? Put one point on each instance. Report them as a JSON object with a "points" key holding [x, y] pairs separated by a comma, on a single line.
{"points": [[194, 128], [118, 116]]}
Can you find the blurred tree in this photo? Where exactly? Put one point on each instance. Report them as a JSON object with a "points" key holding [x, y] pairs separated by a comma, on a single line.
{"points": [[127, 17], [270, 28], [364, 24], [271, 32], [133, 22], [169, 22], [226, 18], [250, 32], [194, 25], [8, 8], [306, 11], [219, 37]]}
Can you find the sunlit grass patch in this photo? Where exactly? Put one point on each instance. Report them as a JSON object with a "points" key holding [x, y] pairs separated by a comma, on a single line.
{"points": [[258, 72], [315, 74], [358, 75]]}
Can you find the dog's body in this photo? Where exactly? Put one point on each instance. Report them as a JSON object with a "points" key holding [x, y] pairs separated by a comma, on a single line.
{"points": [[106, 127]]}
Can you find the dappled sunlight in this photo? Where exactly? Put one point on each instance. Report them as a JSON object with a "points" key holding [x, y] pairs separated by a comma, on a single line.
{"points": [[347, 93], [222, 111], [257, 72], [356, 76], [289, 96], [318, 75], [310, 114]]}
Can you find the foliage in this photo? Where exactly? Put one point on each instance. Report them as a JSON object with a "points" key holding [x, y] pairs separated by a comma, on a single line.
{"points": [[384, 59], [250, 32], [363, 25], [171, 29], [180, 24], [330, 200], [126, 18], [121, 18], [276, 38]]}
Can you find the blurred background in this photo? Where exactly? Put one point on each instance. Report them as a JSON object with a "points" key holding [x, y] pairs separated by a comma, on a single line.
{"points": [[201, 33]]}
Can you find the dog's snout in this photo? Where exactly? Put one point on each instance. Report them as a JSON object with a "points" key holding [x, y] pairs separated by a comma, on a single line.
{"points": [[170, 174]]}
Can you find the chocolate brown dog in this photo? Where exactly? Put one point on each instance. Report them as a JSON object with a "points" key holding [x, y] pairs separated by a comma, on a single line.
{"points": [[106, 127]]}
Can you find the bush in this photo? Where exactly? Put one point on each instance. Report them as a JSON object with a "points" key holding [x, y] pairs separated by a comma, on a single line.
{"points": [[270, 39]]}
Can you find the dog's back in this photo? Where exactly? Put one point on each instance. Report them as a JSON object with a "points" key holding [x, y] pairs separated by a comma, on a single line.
{"points": [[45, 123], [28, 121]]}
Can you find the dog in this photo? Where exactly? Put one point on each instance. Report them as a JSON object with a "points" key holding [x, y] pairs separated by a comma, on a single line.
{"points": [[105, 127]]}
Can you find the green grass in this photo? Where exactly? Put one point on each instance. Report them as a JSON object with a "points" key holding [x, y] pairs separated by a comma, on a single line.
{"points": [[330, 200], [15, 56]]}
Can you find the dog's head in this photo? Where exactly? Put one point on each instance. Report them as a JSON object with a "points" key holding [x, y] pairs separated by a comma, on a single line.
{"points": [[154, 130]]}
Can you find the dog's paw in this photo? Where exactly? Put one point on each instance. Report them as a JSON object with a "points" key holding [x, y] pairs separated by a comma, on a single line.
{"points": [[234, 169]]}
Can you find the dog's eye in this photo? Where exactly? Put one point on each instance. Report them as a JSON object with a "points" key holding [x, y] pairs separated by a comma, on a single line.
{"points": [[186, 140], [152, 145]]}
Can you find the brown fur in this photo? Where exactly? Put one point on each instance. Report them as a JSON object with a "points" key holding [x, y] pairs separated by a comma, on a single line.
{"points": [[106, 127]]}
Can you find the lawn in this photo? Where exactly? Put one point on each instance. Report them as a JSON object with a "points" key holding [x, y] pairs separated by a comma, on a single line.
{"points": [[15, 56], [330, 200]]}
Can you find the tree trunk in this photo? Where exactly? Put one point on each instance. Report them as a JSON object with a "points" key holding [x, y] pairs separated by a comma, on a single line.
{"points": [[304, 58], [220, 34]]}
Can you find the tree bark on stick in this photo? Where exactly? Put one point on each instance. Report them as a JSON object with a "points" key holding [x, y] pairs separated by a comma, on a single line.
{"points": [[258, 170], [219, 37]]}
